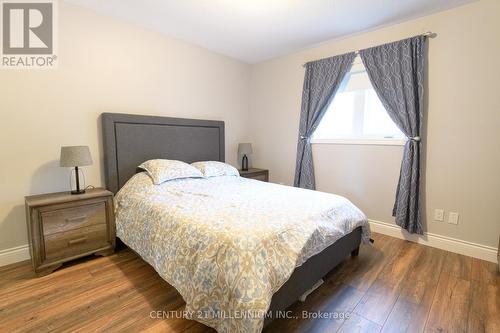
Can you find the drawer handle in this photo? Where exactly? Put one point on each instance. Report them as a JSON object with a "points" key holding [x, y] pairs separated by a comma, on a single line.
{"points": [[77, 241], [76, 219]]}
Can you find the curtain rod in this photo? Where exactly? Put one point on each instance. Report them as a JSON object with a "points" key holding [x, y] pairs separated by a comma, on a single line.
{"points": [[429, 34]]}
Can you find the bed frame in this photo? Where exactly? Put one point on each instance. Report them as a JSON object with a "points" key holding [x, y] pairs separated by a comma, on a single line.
{"points": [[129, 140]]}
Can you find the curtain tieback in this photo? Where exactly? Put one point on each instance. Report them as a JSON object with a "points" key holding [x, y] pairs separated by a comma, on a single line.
{"points": [[302, 137], [416, 139]]}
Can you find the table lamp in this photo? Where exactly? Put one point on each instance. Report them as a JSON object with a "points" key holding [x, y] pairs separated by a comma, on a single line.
{"points": [[74, 157]]}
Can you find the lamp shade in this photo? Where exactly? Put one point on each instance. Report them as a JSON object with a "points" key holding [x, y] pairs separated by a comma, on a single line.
{"points": [[73, 156], [245, 148]]}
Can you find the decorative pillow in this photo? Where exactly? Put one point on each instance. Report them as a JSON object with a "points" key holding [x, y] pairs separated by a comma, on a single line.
{"points": [[164, 170], [215, 169]]}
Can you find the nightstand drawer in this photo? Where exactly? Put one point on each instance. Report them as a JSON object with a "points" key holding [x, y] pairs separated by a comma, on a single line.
{"points": [[262, 177], [254, 173], [66, 219], [73, 242]]}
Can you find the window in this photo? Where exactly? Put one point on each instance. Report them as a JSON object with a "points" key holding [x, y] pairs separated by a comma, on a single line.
{"points": [[356, 114]]}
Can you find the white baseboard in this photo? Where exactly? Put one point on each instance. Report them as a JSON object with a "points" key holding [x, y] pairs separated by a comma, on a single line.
{"points": [[459, 246], [15, 254]]}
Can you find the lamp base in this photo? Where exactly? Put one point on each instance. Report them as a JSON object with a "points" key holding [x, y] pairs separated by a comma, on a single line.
{"points": [[78, 192], [77, 181], [244, 163]]}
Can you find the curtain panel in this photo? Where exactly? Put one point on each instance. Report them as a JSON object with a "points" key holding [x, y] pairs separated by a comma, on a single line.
{"points": [[396, 71], [321, 81]]}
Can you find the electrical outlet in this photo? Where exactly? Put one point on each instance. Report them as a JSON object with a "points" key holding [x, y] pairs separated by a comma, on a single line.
{"points": [[453, 218], [438, 214]]}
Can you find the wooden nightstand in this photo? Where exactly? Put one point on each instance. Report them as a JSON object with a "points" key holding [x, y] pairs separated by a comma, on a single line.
{"points": [[254, 173], [62, 227]]}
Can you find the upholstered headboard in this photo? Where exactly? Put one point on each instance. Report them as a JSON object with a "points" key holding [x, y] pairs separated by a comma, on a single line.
{"points": [[129, 140]]}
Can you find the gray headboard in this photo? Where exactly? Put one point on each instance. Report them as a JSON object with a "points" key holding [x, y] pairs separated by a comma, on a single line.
{"points": [[131, 139]]}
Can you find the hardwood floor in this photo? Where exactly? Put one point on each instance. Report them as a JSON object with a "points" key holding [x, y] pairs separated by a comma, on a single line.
{"points": [[395, 286]]}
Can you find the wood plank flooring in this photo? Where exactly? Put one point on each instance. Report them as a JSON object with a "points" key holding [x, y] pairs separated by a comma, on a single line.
{"points": [[394, 286]]}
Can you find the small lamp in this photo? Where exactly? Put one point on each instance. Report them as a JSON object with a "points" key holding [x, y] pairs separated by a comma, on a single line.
{"points": [[75, 156], [244, 149]]}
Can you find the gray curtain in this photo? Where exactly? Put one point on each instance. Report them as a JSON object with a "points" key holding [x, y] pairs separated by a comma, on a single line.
{"points": [[321, 81], [396, 71]]}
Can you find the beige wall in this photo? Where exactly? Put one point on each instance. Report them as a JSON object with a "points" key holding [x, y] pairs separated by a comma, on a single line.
{"points": [[104, 66], [463, 124]]}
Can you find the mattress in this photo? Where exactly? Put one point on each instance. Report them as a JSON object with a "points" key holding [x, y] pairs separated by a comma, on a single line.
{"points": [[227, 244]]}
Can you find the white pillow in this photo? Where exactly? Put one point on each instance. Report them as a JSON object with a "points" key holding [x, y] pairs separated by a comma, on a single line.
{"points": [[215, 169], [164, 170]]}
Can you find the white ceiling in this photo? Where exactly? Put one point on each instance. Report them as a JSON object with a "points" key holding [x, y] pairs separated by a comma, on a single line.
{"points": [[256, 30]]}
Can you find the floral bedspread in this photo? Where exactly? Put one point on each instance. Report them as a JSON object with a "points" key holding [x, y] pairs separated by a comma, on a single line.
{"points": [[227, 244]]}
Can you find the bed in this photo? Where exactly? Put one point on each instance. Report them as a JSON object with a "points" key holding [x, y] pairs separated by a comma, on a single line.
{"points": [[232, 247]]}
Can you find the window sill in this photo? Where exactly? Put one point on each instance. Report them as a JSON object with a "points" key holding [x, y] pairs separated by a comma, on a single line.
{"points": [[376, 142]]}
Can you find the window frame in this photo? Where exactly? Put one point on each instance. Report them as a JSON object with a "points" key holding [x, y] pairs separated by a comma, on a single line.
{"points": [[379, 141], [362, 141]]}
